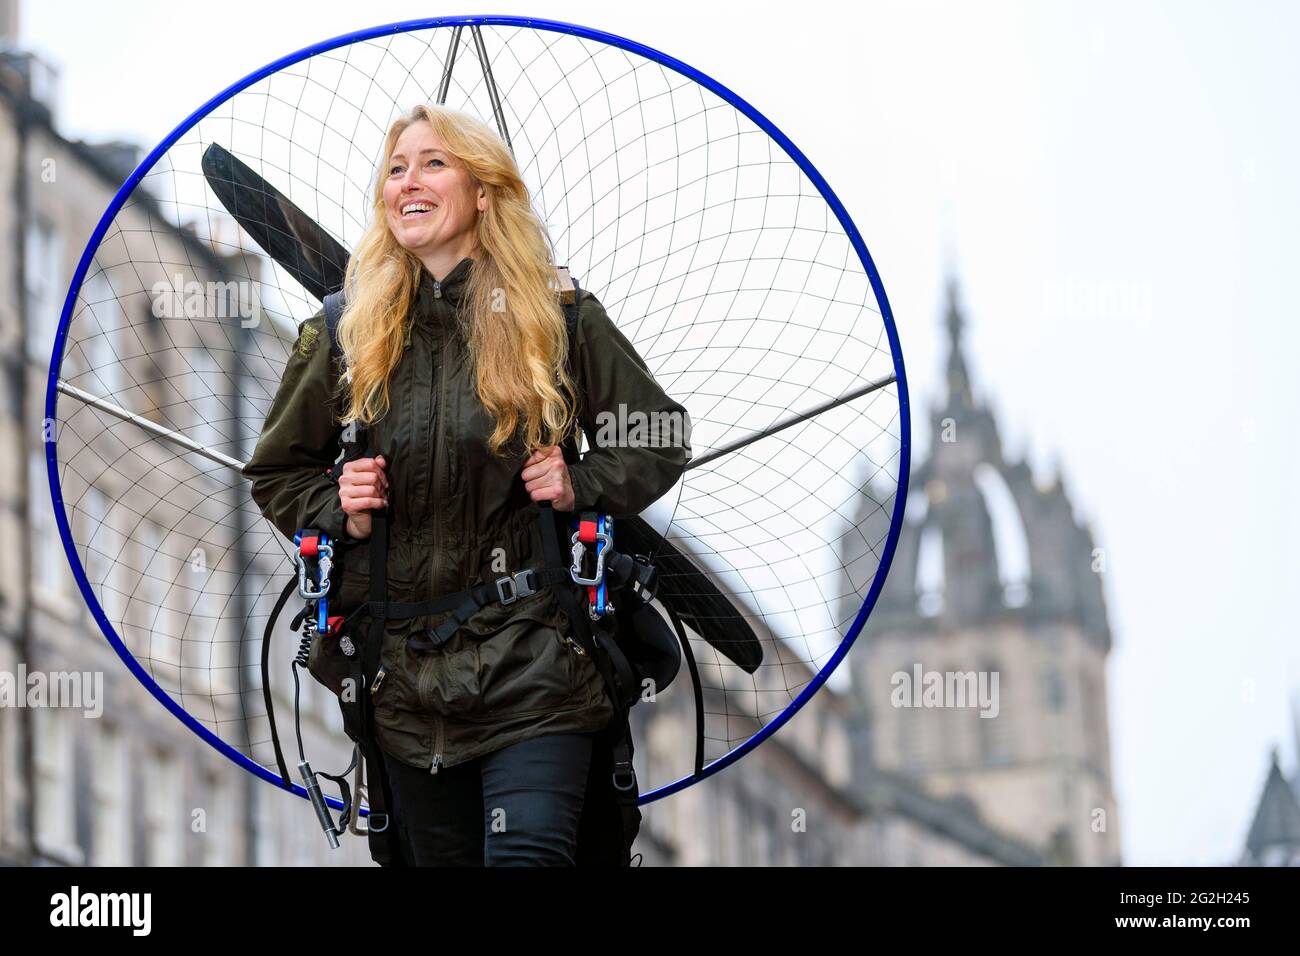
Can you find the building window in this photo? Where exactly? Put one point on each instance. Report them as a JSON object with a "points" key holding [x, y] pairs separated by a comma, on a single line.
{"points": [[1010, 539], [216, 838], [995, 733], [92, 511], [111, 790], [99, 329], [8, 770], [911, 738], [930, 571], [49, 565], [954, 720], [153, 588], [164, 814], [43, 264], [55, 804], [1053, 688], [1092, 717]]}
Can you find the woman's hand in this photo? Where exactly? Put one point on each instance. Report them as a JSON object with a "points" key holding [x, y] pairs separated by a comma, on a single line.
{"points": [[362, 487], [546, 476]]}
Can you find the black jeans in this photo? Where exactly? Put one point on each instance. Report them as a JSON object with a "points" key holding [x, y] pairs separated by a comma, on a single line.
{"points": [[518, 806]]}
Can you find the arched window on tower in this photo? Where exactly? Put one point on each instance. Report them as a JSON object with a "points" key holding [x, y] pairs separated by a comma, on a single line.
{"points": [[1010, 541], [929, 571]]}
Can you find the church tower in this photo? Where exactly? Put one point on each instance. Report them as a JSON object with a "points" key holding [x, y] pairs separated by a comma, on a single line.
{"points": [[982, 670]]}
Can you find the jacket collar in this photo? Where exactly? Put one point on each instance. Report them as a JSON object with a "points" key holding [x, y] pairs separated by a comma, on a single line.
{"points": [[451, 288]]}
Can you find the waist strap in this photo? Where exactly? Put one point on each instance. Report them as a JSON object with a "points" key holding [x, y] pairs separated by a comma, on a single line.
{"points": [[505, 590]]}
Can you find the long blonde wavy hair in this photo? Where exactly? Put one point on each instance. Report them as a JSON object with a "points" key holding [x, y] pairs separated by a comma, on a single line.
{"points": [[519, 354]]}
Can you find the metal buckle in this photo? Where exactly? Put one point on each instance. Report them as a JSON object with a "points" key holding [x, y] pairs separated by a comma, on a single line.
{"points": [[518, 586], [645, 577], [579, 551], [311, 592], [623, 772]]}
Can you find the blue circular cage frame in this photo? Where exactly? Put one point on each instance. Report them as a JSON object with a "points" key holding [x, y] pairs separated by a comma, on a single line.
{"points": [[896, 521]]}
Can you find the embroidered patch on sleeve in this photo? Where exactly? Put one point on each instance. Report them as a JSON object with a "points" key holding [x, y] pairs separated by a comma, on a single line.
{"points": [[307, 340]]}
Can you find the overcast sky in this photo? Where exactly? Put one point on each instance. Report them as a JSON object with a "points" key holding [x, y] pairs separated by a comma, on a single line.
{"points": [[1115, 186]]}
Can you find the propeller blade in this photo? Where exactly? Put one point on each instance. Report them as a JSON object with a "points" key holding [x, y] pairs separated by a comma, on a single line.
{"points": [[692, 596], [287, 234]]}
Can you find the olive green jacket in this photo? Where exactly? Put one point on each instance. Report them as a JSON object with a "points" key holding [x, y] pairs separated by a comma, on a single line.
{"points": [[459, 517]]}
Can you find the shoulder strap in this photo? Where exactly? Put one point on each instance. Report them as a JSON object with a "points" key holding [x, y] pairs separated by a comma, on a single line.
{"points": [[571, 319], [334, 303], [571, 324]]}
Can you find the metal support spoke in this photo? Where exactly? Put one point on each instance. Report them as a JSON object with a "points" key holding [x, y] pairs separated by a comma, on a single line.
{"points": [[176, 438], [480, 50], [788, 422], [445, 86], [153, 428], [497, 109]]}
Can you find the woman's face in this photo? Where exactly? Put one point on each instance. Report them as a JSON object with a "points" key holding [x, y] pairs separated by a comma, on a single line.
{"points": [[432, 202]]}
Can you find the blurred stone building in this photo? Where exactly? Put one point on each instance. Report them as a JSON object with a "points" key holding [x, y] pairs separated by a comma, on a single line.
{"points": [[132, 786], [808, 796], [994, 578]]}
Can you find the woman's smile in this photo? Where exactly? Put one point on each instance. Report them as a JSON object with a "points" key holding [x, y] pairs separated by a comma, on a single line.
{"points": [[417, 208]]}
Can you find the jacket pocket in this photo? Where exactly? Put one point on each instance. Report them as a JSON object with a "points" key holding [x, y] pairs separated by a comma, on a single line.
{"points": [[352, 568], [447, 680], [526, 668], [352, 576], [328, 664]]}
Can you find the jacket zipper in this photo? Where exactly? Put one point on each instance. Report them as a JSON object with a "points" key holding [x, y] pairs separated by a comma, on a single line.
{"points": [[437, 745], [440, 410], [440, 413]]}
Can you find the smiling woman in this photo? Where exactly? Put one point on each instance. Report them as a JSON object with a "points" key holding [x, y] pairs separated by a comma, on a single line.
{"points": [[494, 707]]}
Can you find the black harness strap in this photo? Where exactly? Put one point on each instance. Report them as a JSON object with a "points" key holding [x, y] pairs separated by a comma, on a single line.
{"points": [[695, 684], [289, 589], [372, 671], [463, 604], [612, 663], [334, 303], [341, 779]]}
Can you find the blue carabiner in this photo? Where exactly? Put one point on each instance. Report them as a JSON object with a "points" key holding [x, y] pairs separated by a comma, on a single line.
{"points": [[604, 542], [604, 539], [317, 590]]}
